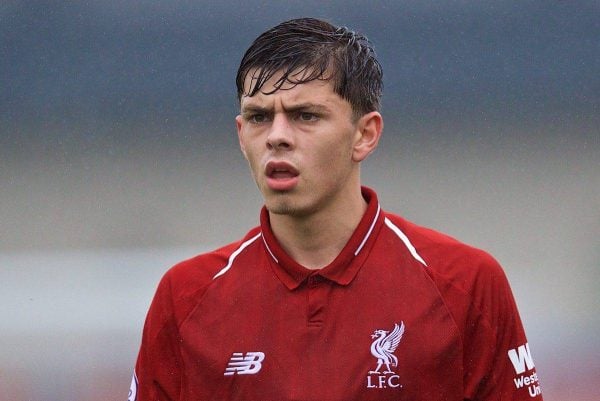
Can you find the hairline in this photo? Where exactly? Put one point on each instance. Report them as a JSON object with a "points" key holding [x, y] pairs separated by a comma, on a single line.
{"points": [[329, 76]]}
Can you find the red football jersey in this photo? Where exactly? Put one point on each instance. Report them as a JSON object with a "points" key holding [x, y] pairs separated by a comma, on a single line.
{"points": [[403, 313]]}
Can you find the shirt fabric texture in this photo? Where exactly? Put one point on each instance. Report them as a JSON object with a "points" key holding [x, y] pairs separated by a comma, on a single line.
{"points": [[403, 313]]}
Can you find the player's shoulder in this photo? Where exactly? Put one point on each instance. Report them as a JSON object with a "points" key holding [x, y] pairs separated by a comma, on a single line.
{"points": [[470, 281], [447, 257], [184, 284], [186, 281], [201, 269]]}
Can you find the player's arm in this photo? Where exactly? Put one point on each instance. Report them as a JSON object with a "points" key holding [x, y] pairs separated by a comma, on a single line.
{"points": [[157, 373], [502, 368]]}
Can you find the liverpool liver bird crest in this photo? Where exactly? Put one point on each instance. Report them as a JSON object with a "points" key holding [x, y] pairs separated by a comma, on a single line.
{"points": [[384, 346]]}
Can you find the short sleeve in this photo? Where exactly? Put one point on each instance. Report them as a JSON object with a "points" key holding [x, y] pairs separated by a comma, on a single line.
{"points": [[157, 373], [500, 365]]}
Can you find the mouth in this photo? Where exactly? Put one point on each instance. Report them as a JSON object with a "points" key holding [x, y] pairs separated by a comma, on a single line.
{"points": [[280, 170], [281, 176]]}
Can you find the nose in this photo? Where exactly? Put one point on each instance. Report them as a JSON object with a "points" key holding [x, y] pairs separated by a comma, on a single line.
{"points": [[280, 135]]}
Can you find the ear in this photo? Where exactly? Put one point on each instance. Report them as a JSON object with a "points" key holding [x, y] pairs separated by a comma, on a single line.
{"points": [[368, 131], [238, 124]]}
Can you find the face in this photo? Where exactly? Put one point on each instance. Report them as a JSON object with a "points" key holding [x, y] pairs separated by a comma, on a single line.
{"points": [[302, 145]]}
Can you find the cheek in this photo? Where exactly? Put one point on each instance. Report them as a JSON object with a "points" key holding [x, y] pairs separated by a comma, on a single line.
{"points": [[254, 166], [339, 152], [253, 159], [333, 160]]}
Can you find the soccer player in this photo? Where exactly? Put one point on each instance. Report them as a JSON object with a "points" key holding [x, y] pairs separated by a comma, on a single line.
{"points": [[330, 297]]}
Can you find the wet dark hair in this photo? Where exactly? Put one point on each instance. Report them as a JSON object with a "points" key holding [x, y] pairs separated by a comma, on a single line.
{"points": [[306, 49]]}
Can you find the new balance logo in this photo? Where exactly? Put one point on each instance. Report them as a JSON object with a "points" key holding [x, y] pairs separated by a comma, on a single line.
{"points": [[241, 364], [521, 358]]}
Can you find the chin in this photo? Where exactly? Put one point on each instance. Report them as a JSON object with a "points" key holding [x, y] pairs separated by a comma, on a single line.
{"points": [[287, 207], [283, 208], [289, 203]]}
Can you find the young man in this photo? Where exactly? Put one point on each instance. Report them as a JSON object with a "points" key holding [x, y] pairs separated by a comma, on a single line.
{"points": [[330, 298]]}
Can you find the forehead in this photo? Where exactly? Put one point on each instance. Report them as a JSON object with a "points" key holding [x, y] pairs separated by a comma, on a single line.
{"points": [[317, 90]]}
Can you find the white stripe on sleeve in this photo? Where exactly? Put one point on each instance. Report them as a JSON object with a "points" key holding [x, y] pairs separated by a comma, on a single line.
{"points": [[234, 255], [404, 239]]}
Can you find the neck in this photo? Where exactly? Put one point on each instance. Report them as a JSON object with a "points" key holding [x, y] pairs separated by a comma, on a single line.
{"points": [[314, 241]]}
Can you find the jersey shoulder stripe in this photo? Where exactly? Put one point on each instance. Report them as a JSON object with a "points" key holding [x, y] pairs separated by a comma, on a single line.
{"points": [[235, 254], [186, 282], [444, 254], [464, 275], [405, 240]]}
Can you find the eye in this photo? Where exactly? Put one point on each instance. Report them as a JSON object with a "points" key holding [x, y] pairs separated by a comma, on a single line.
{"points": [[306, 116], [257, 118]]}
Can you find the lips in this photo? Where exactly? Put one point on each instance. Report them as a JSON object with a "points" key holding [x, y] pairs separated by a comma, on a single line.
{"points": [[280, 169], [281, 176]]}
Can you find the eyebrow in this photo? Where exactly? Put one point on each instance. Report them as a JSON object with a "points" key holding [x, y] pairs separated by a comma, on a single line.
{"points": [[251, 108], [254, 109], [319, 108]]}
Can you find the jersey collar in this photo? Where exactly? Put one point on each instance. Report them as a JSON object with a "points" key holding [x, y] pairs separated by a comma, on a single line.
{"points": [[345, 266]]}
